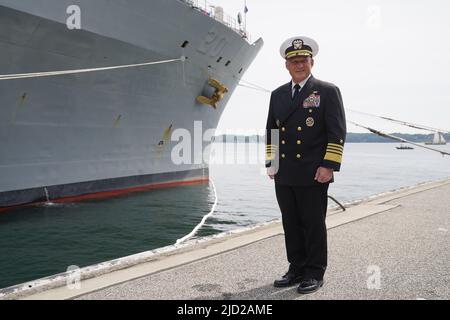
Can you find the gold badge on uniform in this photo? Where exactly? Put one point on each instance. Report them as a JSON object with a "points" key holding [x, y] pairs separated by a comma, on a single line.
{"points": [[313, 101], [297, 44], [310, 122]]}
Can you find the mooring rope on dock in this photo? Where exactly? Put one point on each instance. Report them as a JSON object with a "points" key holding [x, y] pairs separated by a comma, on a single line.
{"points": [[190, 235], [65, 72]]}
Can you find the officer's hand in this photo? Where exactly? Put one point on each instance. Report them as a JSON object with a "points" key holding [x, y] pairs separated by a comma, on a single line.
{"points": [[323, 175], [271, 172]]}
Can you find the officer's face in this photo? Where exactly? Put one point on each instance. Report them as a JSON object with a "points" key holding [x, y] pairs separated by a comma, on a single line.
{"points": [[299, 67]]}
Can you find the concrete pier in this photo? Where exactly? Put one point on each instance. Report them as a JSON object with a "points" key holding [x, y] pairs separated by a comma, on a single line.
{"points": [[393, 246]]}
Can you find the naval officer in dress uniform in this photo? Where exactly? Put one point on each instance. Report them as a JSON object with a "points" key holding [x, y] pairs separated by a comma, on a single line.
{"points": [[305, 141]]}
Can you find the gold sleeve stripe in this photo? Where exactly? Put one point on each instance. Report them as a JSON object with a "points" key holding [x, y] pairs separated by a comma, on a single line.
{"points": [[335, 149], [336, 145], [333, 157], [271, 150], [334, 152]]}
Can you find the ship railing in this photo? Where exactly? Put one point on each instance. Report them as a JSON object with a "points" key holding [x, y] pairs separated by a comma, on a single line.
{"points": [[215, 13]]}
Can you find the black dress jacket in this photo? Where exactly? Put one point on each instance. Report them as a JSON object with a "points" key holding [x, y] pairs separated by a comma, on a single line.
{"points": [[305, 133]]}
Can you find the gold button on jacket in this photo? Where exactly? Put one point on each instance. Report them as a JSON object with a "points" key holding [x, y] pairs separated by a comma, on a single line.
{"points": [[304, 148]]}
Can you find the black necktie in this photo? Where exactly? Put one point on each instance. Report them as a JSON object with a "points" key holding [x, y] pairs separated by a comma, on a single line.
{"points": [[296, 91]]}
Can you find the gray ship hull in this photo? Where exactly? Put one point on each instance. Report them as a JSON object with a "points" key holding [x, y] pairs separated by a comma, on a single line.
{"points": [[103, 132]]}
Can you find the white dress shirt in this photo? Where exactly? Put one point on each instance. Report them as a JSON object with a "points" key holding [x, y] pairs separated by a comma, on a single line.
{"points": [[302, 84]]}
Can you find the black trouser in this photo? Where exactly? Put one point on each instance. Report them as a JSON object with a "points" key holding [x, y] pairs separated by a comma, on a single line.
{"points": [[303, 211]]}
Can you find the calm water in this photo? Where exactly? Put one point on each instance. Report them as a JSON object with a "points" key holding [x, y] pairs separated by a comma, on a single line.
{"points": [[41, 241]]}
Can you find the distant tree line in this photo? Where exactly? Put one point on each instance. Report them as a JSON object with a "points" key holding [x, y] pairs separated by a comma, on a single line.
{"points": [[351, 137]]}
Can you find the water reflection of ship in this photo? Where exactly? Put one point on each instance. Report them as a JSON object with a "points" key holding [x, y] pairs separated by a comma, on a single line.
{"points": [[152, 220]]}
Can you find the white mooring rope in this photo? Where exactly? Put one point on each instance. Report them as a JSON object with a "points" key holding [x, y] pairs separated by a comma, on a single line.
{"points": [[190, 235], [64, 72]]}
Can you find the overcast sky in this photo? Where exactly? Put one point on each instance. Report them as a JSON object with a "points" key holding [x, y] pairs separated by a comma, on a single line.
{"points": [[389, 57]]}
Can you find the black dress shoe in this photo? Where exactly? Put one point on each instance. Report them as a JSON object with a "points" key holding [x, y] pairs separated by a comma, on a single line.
{"points": [[287, 280], [309, 286]]}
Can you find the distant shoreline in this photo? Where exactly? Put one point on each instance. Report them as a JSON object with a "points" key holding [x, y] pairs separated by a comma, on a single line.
{"points": [[351, 138]]}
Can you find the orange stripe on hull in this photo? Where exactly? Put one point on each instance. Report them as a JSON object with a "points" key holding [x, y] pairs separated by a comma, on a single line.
{"points": [[114, 193]]}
